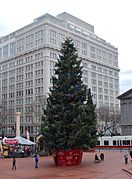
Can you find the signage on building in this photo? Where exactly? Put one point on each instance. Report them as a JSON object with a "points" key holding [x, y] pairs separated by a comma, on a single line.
{"points": [[11, 141]]}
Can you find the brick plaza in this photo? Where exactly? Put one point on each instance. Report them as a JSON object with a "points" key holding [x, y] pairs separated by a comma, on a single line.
{"points": [[110, 168]]}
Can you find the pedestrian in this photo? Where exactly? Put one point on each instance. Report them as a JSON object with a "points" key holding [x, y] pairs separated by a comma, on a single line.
{"points": [[131, 155], [55, 157], [36, 157], [102, 156], [96, 159], [126, 157], [14, 163]]}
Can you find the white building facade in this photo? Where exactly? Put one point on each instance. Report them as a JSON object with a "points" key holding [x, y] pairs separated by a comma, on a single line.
{"points": [[27, 59]]}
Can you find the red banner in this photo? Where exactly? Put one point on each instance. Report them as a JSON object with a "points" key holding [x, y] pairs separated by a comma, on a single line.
{"points": [[11, 141]]}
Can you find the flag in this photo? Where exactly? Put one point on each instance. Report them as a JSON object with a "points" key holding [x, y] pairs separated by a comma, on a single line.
{"points": [[27, 135]]}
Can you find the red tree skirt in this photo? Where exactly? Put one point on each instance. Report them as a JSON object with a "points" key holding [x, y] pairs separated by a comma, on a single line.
{"points": [[68, 157]]}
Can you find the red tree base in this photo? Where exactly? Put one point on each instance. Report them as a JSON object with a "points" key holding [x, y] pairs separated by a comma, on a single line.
{"points": [[68, 157]]}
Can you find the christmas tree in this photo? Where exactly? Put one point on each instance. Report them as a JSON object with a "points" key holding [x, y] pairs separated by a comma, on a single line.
{"points": [[86, 136], [69, 117]]}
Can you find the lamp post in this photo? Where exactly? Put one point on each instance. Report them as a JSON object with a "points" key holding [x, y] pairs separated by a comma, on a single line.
{"points": [[1, 124], [18, 123]]}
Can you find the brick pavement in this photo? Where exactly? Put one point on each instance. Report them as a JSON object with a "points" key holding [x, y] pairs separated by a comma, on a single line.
{"points": [[110, 168]]}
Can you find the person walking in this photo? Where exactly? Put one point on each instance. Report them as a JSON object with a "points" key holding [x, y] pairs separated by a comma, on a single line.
{"points": [[14, 163], [131, 155], [96, 159], [36, 157], [102, 156], [126, 158]]}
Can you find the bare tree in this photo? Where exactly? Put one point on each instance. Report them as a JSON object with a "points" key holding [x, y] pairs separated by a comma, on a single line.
{"points": [[38, 111], [3, 117], [108, 121]]}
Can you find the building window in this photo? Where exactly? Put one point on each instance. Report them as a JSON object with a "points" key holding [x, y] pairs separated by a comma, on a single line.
{"points": [[106, 98], [85, 72], [39, 81], [39, 72], [5, 51], [111, 72], [0, 53], [29, 100], [29, 45], [105, 84], [20, 62], [94, 88], [29, 58], [29, 67], [20, 77], [39, 90], [39, 64], [12, 64], [93, 67], [39, 34], [98, 51], [95, 96], [106, 91], [39, 42], [105, 71], [11, 79], [38, 55], [11, 87], [12, 95], [92, 49], [53, 55], [19, 102], [100, 97], [29, 83], [52, 41], [105, 78], [92, 55], [84, 64], [29, 75], [84, 52], [94, 81], [19, 70], [29, 38], [84, 45], [13, 49], [85, 80], [100, 83], [106, 142], [19, 93], [52, 33], [93, 75], [100, 90], [29, 91]]}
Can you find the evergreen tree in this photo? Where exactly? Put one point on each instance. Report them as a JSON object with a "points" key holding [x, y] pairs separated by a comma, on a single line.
{"points": [[65, 117], [87, 131]]}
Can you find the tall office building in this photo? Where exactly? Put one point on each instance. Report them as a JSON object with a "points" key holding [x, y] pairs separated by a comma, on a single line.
{"points": [[27, 59]]}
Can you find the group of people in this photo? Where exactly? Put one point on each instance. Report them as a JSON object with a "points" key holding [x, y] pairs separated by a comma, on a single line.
{"points": [[96, 158], [126, 156], [36, 159]]}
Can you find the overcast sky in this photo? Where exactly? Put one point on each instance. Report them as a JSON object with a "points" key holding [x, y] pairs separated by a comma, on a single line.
{"points": [[111, 20]]}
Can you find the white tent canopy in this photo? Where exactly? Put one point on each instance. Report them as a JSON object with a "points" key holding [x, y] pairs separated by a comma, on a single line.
{"points": [[24, 141]]}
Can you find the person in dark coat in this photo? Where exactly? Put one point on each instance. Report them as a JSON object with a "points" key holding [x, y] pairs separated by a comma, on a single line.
{"points": [[102, 157], [36, 157], [14, 163], [131, 155], [126, 157], [96, 159]]}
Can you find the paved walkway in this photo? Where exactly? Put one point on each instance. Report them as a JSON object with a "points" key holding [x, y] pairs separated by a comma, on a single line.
{"points": [[111, 168]]}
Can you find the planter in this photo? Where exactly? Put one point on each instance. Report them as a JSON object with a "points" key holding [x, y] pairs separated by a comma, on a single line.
{"points": [[68, 157]]}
